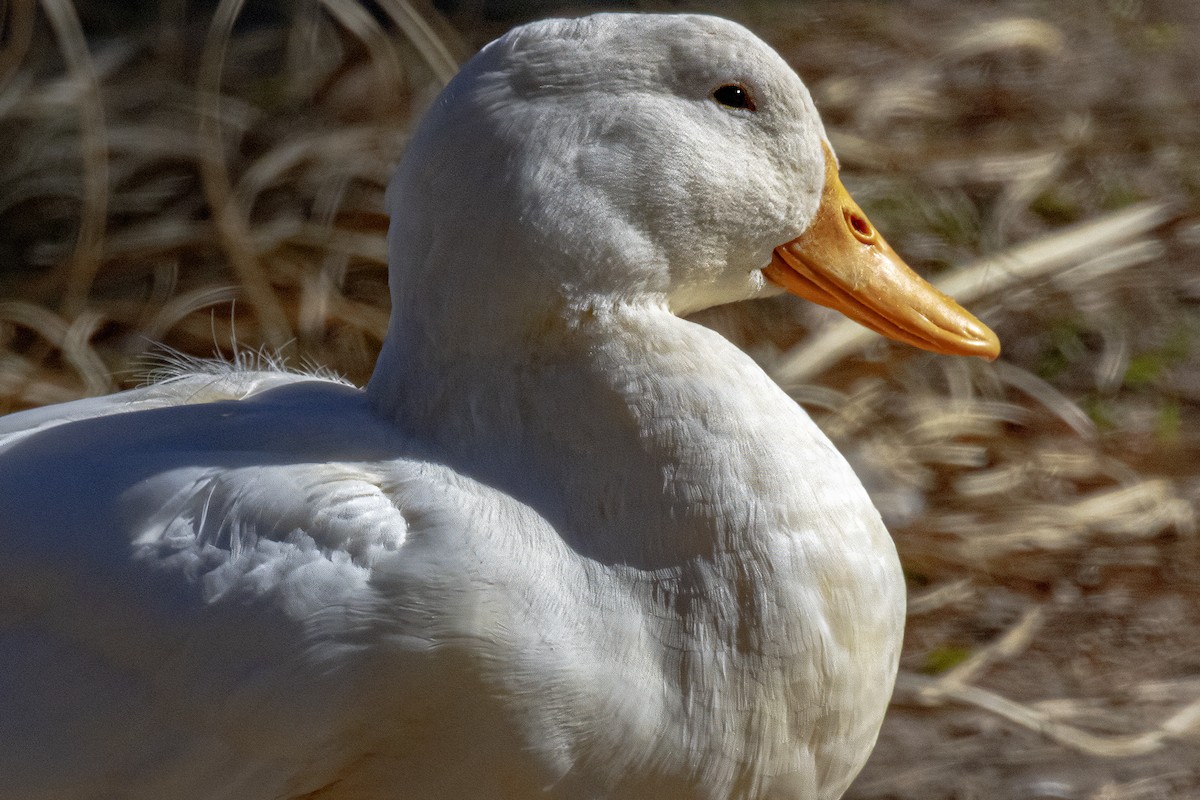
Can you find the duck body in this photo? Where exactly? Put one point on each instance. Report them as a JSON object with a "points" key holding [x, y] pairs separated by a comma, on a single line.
{"points": [[283, 594], [565, 544]]}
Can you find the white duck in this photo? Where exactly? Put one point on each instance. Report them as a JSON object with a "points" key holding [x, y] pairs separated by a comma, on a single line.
{"points": [[565, 544]]}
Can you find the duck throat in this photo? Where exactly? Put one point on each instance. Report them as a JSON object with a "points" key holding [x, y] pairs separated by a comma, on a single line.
{"points": [[643, 438]]}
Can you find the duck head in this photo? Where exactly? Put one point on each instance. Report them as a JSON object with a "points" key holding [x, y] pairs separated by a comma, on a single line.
{"points": [[670, 161]]}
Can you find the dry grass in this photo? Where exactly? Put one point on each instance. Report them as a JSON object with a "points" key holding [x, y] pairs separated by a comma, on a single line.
{"points": [[1041, 160]]}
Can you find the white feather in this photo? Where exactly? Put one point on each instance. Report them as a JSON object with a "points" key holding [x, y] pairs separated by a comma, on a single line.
{"points": [[564, 545]]}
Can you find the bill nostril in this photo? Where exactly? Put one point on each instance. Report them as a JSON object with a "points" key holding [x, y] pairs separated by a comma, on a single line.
{"points": [[860, 226]]}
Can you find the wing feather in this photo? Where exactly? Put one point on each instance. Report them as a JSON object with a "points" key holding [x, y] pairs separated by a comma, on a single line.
{"points": [[171, 566]]}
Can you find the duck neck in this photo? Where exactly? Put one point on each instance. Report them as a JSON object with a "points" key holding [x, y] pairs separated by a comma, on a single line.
{"points": [[643, 438]]}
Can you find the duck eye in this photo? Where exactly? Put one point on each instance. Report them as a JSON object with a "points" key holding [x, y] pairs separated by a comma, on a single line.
{"points": [[731, 95]]}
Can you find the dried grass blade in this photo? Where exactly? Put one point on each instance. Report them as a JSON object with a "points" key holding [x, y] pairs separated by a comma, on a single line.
{"points": [[948, 594], [1014, 640], [356, 19], [230, 219], [1119, 746], [182, 305], [72, 340], [433, 49], [84, 261], [1051, 399]]}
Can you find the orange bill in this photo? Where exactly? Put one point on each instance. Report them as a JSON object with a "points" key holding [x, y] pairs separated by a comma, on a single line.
{"points": [[842, 262]]}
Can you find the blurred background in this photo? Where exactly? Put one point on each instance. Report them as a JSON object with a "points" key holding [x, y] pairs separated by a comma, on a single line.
{"points": [[208, 177]]}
